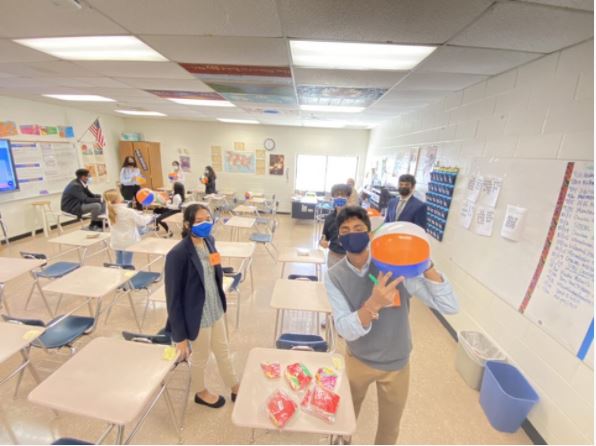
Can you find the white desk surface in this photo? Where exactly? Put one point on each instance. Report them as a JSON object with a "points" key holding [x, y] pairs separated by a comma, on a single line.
{"points": [[303, 295], [245, 209], [154, 245], [81, 238], [214, 197], [240, 250], [258, 200], [188, 203], [13, 338], [241, 222], [90, 281], [109, 379], [316, 256], [12, 267], [255, 388]]}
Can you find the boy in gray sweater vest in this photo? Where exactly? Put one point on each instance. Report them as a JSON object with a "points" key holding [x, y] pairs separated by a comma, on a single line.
{"points": [[377, 332]]}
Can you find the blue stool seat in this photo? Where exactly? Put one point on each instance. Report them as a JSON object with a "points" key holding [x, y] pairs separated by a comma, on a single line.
{"points": [[261, 238], [236, 281], [143, 279], [58, 269], [287, 341], [68, 440], [65, 332], [160, 338]]}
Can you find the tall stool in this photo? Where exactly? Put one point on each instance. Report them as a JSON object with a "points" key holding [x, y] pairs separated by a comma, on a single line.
{"points": [[45, 209]]}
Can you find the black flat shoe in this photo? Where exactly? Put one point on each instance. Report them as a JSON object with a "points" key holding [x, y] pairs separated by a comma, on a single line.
{"points": [[233, 397], [219, 403]]}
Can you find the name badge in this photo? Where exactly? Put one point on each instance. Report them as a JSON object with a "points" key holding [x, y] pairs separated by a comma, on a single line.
{"points": [[214, 258]]}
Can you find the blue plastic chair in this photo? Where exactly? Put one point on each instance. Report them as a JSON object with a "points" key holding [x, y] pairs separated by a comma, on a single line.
{"points": [[50, 272], [266, 239], [70, 441]]}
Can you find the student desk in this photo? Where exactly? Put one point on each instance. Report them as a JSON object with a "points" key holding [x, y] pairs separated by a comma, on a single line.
{"points": [[111, 380], [246, 209], [83, 240], [239, 250], [13, 267], [257, 200], [237, 223], [175, 220], [255, 388], [91, 282], [314, 256], [158, 247], [17, 339], [299, 295]]}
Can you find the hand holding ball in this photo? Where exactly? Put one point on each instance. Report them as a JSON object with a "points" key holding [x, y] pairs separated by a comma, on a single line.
{"points": [[145, 197]]}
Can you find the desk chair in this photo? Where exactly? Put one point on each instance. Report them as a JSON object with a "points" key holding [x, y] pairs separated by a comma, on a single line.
{"points": [[70, 441], [235, 289], [266, 239], [50, 272], [141, 281]]}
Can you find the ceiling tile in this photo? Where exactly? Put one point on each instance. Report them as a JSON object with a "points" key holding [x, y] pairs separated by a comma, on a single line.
{"points": [[158, 70], [87, 82], [221, 50], [13, 52], [53, 68], [347, 78], [164, 84], [42, 18], [527, 27], [586, 5], [404, 21], [439, 81], [194, 17], [455, 59]]}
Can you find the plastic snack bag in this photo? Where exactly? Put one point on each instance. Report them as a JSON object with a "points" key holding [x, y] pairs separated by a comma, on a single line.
{"points": [[321, 402], [298, 376], [271, 370], [281, 408], [326, 377]]}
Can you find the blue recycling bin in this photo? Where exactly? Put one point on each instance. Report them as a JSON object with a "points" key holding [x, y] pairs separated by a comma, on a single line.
{"points": [[506, 396]]}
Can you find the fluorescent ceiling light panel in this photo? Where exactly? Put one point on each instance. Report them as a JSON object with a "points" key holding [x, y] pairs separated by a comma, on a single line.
{"points": [[357, 56], [238, 121], [79, 97], [95, 48], [202, 102], [140, 113], [331, 108]]}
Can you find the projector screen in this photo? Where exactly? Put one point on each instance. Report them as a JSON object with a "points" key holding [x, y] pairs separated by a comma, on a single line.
{"points": [[8, 176]]}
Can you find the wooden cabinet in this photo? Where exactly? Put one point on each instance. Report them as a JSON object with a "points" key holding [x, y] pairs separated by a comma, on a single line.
{"points": [[148, 157]]}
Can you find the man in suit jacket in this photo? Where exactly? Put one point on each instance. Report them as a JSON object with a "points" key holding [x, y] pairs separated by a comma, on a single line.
{"points": [[78, 200], [407, 207]]}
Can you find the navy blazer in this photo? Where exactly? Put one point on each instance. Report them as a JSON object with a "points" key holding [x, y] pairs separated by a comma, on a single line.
{"points": [[185, 290], [414, 212]]}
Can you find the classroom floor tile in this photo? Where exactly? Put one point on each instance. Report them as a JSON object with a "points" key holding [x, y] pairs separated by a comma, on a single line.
{"points": [[441, 408]]}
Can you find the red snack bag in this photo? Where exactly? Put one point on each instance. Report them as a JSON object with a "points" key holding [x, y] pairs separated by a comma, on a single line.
{"points": [[321, 402], [271, 369], [281, 408], [298, 376]]}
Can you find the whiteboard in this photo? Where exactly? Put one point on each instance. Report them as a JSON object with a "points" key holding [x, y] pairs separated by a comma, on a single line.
{"points": [[507, 267], [42, 167]]}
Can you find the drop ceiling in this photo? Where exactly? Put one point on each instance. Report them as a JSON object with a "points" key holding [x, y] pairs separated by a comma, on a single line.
{"points": [[476, 39]]}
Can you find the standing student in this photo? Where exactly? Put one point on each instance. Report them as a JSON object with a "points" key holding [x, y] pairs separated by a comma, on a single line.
{"points": [[210, 176], [196, 303], [173, 207], [353, 200], [126, 226], [176, 175], [340, 194], [78, 200], [407, 207], [376, 331], [129, 174]]}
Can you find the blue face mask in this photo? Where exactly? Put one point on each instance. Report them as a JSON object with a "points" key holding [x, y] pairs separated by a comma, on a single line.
{"points": [[339, 202], [354, 242], [202, 230]]}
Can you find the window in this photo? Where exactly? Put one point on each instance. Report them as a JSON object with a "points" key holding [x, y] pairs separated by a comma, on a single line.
{"points": [[318, 173]]}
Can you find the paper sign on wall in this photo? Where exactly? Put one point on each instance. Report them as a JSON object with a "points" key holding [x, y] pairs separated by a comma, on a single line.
{"points": [[491, 188], [514, 223], [485, 218], [473, 188], [466, 213]]}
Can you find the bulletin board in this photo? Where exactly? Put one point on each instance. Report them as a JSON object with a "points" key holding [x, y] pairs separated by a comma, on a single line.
{"points": [[509, 268], [42, 167]]}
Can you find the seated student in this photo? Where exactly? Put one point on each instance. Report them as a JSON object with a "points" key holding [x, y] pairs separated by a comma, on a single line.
{"points": [[126, 225], [340, 194], [407, 207], [376, 331], [173, 207], [78, 200]]}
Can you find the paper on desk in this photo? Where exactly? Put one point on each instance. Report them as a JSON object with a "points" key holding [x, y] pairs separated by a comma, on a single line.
{"points": [[514, 223], [484, 220], [338, 362], [169, 353], [31, 334], [129, 273]]}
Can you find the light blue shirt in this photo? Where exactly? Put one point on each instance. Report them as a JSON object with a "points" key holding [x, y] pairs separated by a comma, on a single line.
{"points": [[437, 295], [128, 176]]}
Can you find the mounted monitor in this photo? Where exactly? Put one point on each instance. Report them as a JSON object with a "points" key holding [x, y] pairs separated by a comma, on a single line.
{"points": [[8, 175]]}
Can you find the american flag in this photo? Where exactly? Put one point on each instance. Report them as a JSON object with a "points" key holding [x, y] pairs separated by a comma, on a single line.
{"points": [[95, 129]]}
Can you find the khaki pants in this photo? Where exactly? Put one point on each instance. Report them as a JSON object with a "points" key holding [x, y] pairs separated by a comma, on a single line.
{"points": [[392, 393], [333, 258], [213, 339]]}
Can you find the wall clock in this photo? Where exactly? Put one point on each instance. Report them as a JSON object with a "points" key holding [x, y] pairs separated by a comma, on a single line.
{"points": [[269, 144]]}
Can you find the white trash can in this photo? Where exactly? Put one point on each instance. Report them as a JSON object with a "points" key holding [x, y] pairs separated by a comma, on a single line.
{"points": [[473, 350]]}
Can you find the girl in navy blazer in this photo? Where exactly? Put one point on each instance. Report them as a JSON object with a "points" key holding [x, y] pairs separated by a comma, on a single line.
{"points": [[196, 303]]}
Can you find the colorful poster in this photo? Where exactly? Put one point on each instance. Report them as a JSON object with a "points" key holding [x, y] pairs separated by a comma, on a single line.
{"points": [[8, 128], [30, 129], [216, 161], [260, 166], [239, 162], [176, 94], [276, 164], [218, 71], [185, 163], [239, 146], [49, 131], [353, 97]]}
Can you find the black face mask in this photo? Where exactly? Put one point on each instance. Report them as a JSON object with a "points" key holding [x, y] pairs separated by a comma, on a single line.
{"points": [[404, 191]]}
